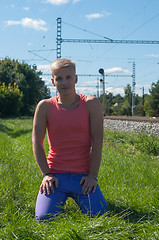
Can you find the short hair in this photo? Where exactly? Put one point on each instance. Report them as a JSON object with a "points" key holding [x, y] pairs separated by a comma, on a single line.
{"points": [[61, 63]]}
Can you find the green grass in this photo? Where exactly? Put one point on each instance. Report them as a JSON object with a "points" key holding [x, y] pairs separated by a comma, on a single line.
{"points": [[129, 180]]}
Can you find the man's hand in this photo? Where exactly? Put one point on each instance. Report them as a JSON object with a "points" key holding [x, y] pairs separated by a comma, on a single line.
{"points": [[88, 182], [47, 184]]}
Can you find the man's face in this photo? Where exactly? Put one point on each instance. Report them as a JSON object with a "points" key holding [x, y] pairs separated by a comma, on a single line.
{"points": [[64, 80]]}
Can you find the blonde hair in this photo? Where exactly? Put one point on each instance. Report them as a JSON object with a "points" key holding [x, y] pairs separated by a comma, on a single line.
{"points": [[61, 63]]}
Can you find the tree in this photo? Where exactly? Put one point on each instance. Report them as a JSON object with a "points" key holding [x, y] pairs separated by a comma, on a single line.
{"points": [[29, 81], [139, 108], [154, 99], [127, 104], [147, 106], [116, 105], [108, 101]]}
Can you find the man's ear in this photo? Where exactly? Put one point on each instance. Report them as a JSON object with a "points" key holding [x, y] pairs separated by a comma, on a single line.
{"points": [[76, 79], [52, 81]]}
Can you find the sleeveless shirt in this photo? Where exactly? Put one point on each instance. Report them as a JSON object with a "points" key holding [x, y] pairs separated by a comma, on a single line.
{"points": [[69, 138]]}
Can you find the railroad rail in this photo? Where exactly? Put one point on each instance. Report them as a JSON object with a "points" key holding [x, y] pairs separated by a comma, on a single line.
{"points": [[134, 118]]}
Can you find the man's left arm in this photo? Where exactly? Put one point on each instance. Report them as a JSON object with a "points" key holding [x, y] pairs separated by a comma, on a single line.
{"points": [[96, 128]]}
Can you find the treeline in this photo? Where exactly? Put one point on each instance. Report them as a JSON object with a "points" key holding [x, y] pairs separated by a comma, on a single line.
{"points": [[21, 88], [146, 105]]}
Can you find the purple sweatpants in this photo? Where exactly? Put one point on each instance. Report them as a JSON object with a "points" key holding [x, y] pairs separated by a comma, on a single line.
{"points": [[49, 206]]}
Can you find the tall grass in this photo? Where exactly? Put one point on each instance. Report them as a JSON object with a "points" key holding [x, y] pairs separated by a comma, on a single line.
{"points": [[129, 179]]}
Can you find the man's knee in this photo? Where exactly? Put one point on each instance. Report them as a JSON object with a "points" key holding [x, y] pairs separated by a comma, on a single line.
{"points": [[93, 204], [44, 217], [49, 206]]}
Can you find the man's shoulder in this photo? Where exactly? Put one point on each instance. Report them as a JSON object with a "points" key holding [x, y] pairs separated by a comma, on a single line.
{"points": [[91, 100], [44, 105], [92, 103], [44, 102]]}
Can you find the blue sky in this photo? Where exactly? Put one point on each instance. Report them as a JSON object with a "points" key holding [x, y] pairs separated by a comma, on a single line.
{"points": [[28, 32]]}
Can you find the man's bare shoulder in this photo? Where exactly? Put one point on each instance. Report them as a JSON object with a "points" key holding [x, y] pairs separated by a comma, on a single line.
{"points": [[92, 100], [44, 103], [92, 103], [44, 106]]}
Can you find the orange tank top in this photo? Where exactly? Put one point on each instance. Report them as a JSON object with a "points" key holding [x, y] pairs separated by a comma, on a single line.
{"points": [[69, 138]]}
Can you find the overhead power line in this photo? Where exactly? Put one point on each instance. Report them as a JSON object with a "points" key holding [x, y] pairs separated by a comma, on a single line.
{"points": [[44, 50], [60, 40], [39, 56], [86, 30], [149, 20]]}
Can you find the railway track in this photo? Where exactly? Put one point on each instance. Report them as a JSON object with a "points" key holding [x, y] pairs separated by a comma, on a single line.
{"points": [[134, 118]]}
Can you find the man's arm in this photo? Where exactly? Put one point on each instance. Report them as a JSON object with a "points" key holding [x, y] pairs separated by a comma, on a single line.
{"points": [[38, 135], [96, 128]]}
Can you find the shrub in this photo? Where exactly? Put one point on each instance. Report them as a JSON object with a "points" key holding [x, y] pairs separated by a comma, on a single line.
{"points": [[10, 100], [148, 144]]}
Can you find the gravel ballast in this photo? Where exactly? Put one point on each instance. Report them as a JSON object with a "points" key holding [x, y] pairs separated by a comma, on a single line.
{"points": [[130, 126]]}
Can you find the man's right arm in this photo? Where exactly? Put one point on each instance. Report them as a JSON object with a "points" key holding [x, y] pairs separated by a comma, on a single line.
{"points": [[38, 135]]}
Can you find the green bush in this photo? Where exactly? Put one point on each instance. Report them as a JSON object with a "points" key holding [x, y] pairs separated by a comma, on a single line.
{"points": [[10, 100], [148, 144]]}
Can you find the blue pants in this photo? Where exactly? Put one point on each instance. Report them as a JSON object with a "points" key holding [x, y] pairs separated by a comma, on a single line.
{"points": [[48, 206]]}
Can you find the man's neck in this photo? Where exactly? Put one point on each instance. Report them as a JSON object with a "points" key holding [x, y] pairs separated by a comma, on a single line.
{"points": [[67, 100]]}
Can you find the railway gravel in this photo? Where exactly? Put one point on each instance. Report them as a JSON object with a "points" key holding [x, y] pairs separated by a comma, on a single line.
{"points": [[130, 126]]}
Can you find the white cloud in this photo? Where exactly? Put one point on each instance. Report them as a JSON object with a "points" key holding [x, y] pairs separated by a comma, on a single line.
{"points": [[97, 15], [11, 22], [86, 90], [86, 83], [153, 55], [116, 69], [57, 2], [93, 90], [49, 84], [37, 24], [26, 8], [60, 2], [44, 68], [94, 15], [115, 91], [143, 85]]}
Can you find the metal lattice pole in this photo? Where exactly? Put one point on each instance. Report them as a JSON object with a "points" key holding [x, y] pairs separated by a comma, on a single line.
{"points": [[133, 89], [58, 39]]}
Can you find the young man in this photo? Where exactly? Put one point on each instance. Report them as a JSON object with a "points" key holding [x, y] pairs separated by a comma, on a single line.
{"points": [[74, 125]]}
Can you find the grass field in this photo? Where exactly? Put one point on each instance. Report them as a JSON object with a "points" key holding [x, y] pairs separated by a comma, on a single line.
{"points": [[129, 179]]}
